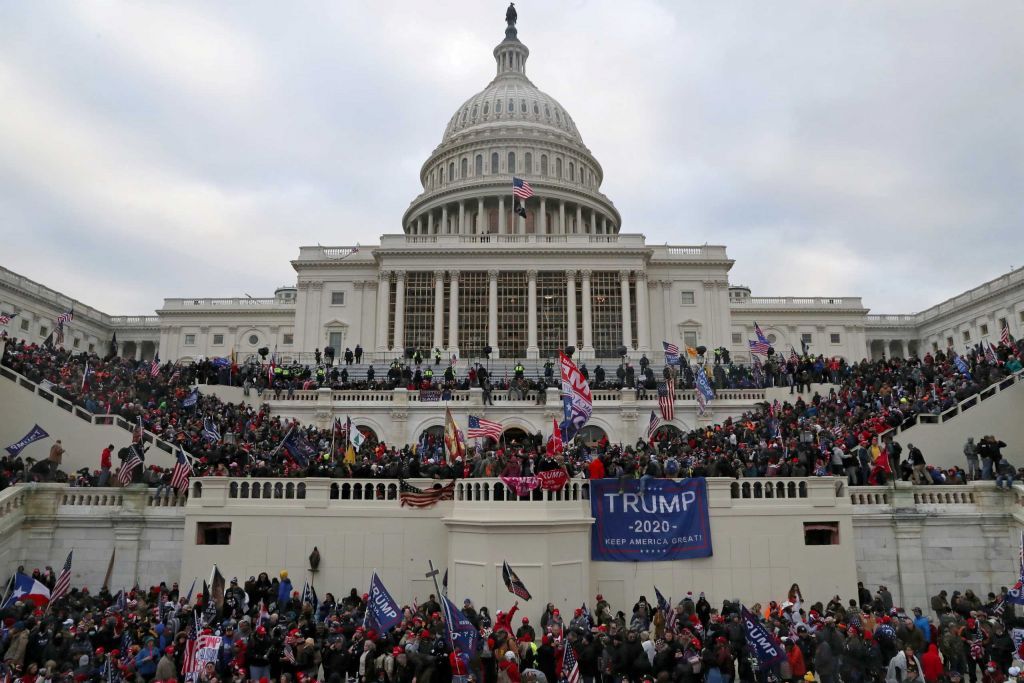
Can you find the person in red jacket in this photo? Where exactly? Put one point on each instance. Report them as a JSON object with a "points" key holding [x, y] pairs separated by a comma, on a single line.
{"points": [[503, 622], [796, 660], [510, 667], [460, 665], [931, 664], [596, 468]]}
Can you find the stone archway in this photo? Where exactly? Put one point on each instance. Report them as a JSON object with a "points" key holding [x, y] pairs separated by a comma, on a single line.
{"points": [[592, 435]]}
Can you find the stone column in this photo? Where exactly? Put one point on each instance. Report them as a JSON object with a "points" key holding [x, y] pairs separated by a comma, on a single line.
{"points": [[561, 217], [531, 314], [438, 309], [430, 222], [604, 225], [138, 348], [543, 225], [643, 323], [588, 329], [383, 294], [480, 216], [913, 588], [579, 220], [453, 313], [570, 306], [400, 310], [593, 222], [656, 322], [462, 218], [666, 305], [501, 214], [443, 228], [627, 327], [492, 312]]}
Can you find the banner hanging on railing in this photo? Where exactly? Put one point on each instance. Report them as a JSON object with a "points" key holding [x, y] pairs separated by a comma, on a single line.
{"points": [[669, 522]]}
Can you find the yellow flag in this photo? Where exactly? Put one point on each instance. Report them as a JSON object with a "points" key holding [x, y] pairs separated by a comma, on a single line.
{"points": [[350, 455]]}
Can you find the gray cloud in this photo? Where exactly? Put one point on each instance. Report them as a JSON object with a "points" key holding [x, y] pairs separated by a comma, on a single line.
{"points": [[166, 149]]}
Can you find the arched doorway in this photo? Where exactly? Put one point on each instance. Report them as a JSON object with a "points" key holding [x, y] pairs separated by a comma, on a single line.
{"points": [[516, 436], [667, 433], [370, 436], [430, 440], [592, 435]]}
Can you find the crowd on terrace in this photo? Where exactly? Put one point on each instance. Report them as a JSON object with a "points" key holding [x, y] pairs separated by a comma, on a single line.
{"points": [[269, 630], [834, 433]]}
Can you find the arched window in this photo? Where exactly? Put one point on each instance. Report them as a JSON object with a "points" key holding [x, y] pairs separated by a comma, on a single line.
{"points": [[465, 168], [511, 162], [547, 111], [494, 163], [558, 115], [522, 106], [465, 112], [558, 168], [497, 107], [487, 106], [474, 111], [451, 171], [511, 107], [543, 164], [536, 109], [528, 167], [572, 172], [478, 169]]}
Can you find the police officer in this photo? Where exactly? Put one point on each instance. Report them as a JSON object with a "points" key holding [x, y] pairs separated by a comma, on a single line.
{"points": [[519, 370]]}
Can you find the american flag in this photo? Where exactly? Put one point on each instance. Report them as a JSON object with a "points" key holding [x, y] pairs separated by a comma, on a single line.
{"points": [[990, 353], [481, 428], [60, 333], [652, 426], [210, 431], [154, 369], [418, 498], [671, 353], [5, 318], [760, 335], [182, 471], [793, 358], [521, 189], [63, 584], [667, 400], [1004, 335], [189, 664], [570, 667], [137, 433], [758, 347], [124, 475], [66, 317], [176, 375]]}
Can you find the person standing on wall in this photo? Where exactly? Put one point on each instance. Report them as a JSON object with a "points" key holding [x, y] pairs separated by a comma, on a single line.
{"points": [[105, 464]]}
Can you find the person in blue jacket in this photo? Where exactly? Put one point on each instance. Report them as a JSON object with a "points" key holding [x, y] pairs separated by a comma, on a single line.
{"points": [[284, 589]]}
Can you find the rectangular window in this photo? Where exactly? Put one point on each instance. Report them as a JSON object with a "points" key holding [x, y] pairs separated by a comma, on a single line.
{"points": [[805, 338], [687, 298], [190, 340], [834, 337], [92, 347], [690, 339], [949, 342], [75, 343], [967, 335], [334, 341], [24, 324], [43, 331], [821, 533], [737, 337], [337, 298], [1022, 316], [213, 533], [287, 339], [935, 346], [984, 330], [218, 339]]}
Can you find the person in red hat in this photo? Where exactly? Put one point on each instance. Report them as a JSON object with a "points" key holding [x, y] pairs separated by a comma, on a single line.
{"points": [[526, 631], [166, 669]]}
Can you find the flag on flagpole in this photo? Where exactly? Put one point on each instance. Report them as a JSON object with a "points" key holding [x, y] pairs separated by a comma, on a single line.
{"points": [[1004, 335], [63, 584], [154, 369], [570, 666], [760, 335], [758, 347], [667, 400], [521, 189], [210, 431], [671, 353], [6, 318], [652, 426], [481, 428], [182, 472], [793, 358], [453, 437], [513, 583], [124, 475], [961, 365], [555, 445]]}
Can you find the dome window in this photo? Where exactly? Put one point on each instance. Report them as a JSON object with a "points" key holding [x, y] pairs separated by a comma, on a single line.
{"points": [[522, 106], [478, 168], [465, 168], [487, 106], [474, 111], [547, 111], [543, 164], [572, 172], [465, 112], [451, 171], [494, 163], [497, 107], [511, 162], [558, 116], [528, 168], [536, 109], [511, 106], [558, 168]]}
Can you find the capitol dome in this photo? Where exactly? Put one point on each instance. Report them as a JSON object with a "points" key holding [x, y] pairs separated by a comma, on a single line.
{"points": [[511, 129]]}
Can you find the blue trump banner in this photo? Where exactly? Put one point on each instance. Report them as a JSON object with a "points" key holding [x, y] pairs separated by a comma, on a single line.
{"points": [[763, 643], [382, 612], [34, 434], [461, 631], [669, 522]]}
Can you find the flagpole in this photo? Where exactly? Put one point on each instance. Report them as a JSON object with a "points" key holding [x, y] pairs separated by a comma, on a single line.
{"points": [[274, 452], [437, 591]]}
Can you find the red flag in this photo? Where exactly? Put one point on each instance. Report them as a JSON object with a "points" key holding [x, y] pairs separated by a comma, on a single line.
{"points": [[555, 442]]}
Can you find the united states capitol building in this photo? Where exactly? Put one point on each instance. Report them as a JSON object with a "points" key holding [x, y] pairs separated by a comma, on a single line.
{"points": [[467, 272]]}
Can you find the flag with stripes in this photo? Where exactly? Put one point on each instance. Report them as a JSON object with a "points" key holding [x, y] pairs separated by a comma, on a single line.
{"points": [[758, 371], [6, 318], [521, 189], [760, 335], [793, 358], [182, 472], [66, 317], [138, 432], [1004, 335], [758, 347], [513, 583], [481, 428], [124, 475], [63, 584], [671, 353], [570, 667], [154, 368], [667, 400], [420, 498], [59, 340], [189, 659], [990, 353], [176, 375], [210, 431], [652, 426]]}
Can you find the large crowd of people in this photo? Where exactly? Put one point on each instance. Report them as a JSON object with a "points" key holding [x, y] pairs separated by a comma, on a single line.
{"points": [[266, 629], [836, 432]]}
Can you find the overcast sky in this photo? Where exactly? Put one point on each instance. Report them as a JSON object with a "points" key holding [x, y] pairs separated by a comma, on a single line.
{"points": [[160, 149]]}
